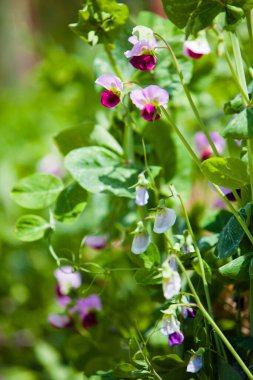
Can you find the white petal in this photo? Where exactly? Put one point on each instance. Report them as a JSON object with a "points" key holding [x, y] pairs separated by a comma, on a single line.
{"points": [[198, 46], [164, 220], [142, 196], [172, 285], [133, 40], [169, 325], [140, 47], [110, 82], [140, 243], [138, 99], [195, 364]]}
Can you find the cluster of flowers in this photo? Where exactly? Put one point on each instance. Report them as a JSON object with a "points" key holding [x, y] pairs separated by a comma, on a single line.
{"points": [[142, 56], [74, 309]]}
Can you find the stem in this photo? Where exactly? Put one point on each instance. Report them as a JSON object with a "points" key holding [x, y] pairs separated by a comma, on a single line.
{"points": [[112, 60], [212, 322], [128, 142], [188, 94], [249, 18], [230, 64]]}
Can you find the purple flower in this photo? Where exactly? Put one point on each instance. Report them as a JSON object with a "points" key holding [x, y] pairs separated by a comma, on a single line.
{"points": [[96, 241], [195, 364], [142, 54], [171, 281], [187, 311], [113, 85], [165, 218], [203, 147], [86, 308], [59, 321], [67, 280], [171, 328], [148, 100], [196, 48]]}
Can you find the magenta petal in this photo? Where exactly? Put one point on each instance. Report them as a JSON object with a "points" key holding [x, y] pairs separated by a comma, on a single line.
{"points": [[109, 99], [176, 338], [189, 53], [206, 153], [150, 113], [143, 62]]}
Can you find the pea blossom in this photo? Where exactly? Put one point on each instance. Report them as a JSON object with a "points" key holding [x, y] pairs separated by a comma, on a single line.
{"points": [[187, 311], [171, 279], [195, 364], [142, 54], [171, 328], [141, 239], [196, 48], [165, 218], [203, 147], [86, 308], [59, 321], [96, 242], [67, 279], [148, 100], [141, 195], [114, 86]]}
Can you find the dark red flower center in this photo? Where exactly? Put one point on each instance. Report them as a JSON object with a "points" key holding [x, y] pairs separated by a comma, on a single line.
{"points": [[109, 99], [150, 113], [143, 62]]}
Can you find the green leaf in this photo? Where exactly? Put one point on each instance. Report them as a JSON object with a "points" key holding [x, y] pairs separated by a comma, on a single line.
{"points": [[31, 228], [232, 234], [73, 138], [100, 21], [241, 126], [128, 371], [37, 191], [70, 204], [208, 271], [226, 371], [151, 256], [228, 172], [99, 170], [167, 362], [237, 269], [148, 277]]}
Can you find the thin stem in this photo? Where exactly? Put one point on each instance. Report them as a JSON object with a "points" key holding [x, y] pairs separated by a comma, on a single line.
{"points": [[111, 58], [233, 72], [251, 298], [249, 18], [128, 142], [188, 94], [212, 322]]}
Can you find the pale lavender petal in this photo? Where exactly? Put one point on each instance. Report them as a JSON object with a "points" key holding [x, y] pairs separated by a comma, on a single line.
{"points": [[141, 47], [198, 46], [63, 301], [176, 338], [164, 219], [67, 279], [172, 285], [203, 145], [219, 142], [84, 305], [157, 95], [140, 243], [96, 241], [59, 321], [142, 196], [51, 164], [110, 82], [138, 98], [195, 364], [133, 40]]}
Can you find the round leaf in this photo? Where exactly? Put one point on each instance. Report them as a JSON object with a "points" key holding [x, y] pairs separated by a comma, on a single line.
{"points": [[37, 191], [31, 228]]}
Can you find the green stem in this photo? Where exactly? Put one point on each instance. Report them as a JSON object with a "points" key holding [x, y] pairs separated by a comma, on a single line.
{"points": [[251, 298], [230, 64], [212, 322], [111, 58], [188, 94], [128, 143], [249, 18]]}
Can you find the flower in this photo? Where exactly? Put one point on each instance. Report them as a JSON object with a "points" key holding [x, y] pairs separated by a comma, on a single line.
{"points": [[195, 364], [141, 195], [67, 279], [114, 86], [148, 100], [171, 328], [142, 54], [196, 48], [141, 239], [51, 164], [203, 147], [187, 312], [86, 309], [59, 321], [95, 241], [171, 280], [165, 218]]}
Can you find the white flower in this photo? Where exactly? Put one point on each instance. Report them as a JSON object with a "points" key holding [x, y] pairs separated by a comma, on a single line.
{"points": [[164, 219], [195, 364], [140, 243], [141, 196]]}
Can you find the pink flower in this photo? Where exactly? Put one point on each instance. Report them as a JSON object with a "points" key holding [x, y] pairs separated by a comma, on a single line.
{"points": [[59, 321], [142, 54], [113, 85], [203, 147], [196, 48], [87, 308], [96, 242], [67, 279], [148, 100]]}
